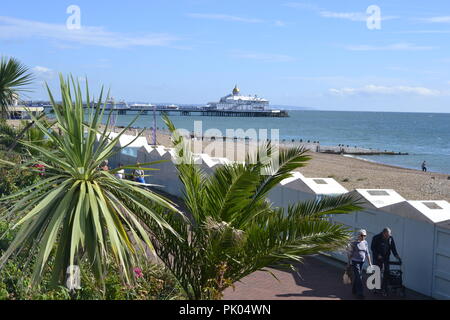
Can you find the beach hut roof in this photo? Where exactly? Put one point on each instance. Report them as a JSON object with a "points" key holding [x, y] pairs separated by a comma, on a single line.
{"points": [[428, 211], [169, 153], [124, 140], [295, 176], [435, 211], [379, 198], [325, 186], [319, 186], [160, 149], [212, 161]]}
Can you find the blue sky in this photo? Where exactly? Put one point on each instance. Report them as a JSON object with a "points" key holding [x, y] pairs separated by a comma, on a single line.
{"points": [[314, 54]]}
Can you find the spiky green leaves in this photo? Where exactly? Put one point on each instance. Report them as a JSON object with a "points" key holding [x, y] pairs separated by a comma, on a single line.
{"points": [[78, 211], [14, 77]]}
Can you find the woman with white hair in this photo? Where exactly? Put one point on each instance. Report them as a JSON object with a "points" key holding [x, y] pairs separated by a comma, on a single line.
{"points": [[357, 255]]}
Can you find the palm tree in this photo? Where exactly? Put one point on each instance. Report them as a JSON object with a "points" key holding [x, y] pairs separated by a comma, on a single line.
{"points": [[78, 213], [14, 77], [234, 231]]}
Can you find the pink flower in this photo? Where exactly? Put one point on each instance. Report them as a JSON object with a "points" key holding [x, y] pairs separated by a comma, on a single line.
{"points": [[138, 273]]}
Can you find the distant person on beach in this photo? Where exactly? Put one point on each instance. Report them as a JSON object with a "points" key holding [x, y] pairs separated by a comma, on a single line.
{"points": [[424, 166], [121, 173], [357, 254], [139, 174], [382, 246]]}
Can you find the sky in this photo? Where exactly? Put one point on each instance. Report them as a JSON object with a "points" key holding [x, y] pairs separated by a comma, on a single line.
{"points": [[329, 55]]}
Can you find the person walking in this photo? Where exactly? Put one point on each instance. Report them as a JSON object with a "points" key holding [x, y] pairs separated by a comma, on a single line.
{"points": [[104, 166], [424, 166], [139, 175], [121, 173], [382, 246], [357, 255]]}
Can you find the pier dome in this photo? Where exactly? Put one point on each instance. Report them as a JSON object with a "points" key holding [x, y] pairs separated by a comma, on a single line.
{"points": [[236, 90]]}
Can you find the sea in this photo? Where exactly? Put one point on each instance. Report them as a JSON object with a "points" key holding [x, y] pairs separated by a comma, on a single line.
{"points": [[424, 136]]}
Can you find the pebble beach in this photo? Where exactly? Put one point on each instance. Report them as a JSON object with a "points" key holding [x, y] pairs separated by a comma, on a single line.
{"points": [[352, 173]]}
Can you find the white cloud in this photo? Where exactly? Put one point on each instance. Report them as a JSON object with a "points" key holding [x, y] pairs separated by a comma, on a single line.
{"points": [[280, 23], [44, 73], [268, 57], [223, 17], [392, 47], [385, 90], [442, 19], [12, 28], [352, 16]]}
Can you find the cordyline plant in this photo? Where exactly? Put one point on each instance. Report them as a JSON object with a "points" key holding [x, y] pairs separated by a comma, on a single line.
{"points": [[234, 230], [77, 211]]}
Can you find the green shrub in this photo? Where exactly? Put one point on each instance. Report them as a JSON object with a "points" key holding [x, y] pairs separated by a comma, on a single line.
{"points": [[153, 282], [13, 179]]}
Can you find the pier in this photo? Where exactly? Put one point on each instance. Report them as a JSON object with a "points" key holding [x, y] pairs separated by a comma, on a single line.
{"points": [[201, 111]]}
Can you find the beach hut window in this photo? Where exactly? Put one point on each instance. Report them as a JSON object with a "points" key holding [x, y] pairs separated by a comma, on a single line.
{"points": [[320, 181], [377, 193], [432, 205]]}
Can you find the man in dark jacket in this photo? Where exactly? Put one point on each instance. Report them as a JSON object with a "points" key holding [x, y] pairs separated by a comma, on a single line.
{"points": [[382, 246]]}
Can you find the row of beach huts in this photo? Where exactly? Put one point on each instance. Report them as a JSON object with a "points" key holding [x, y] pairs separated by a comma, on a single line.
{"points": [[421, 228]]}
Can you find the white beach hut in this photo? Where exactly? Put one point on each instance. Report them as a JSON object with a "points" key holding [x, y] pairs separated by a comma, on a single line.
{"points": [[129, 154], [372, 217], [209, 164], [418, 239], [441, 269], [148, 154], [167, 174], [299, 188]]}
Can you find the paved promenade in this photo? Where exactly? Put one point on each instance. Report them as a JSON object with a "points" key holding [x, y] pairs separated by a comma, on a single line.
{"points": [[318, 280]]}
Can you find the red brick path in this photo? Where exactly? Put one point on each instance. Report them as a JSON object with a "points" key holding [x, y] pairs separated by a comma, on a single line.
{"points": [[318, 280]]}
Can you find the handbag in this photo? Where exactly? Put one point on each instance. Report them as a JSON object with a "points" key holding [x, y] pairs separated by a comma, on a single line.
{"points": [[347, 277]]}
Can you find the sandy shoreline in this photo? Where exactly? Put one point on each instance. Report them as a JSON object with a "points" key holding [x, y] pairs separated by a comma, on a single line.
{"points": [[352, 173]]}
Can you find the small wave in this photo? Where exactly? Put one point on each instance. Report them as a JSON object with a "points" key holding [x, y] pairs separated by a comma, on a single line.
{"points": [[359, 158]]}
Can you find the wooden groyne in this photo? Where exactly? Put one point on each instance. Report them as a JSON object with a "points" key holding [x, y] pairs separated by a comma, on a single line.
{"points": [[313, 146], [357, 151]]}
